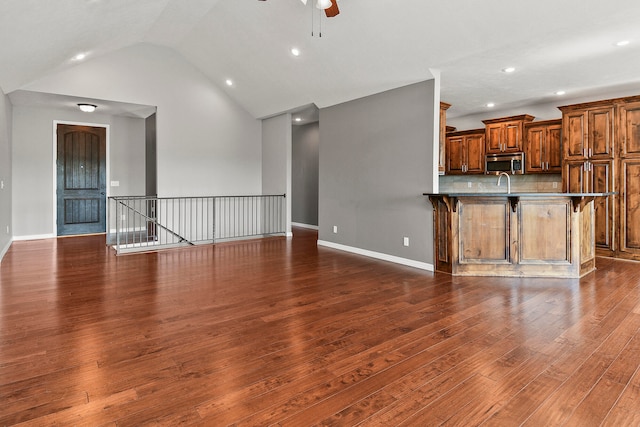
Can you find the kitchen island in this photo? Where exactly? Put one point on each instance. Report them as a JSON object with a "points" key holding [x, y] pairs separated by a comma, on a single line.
{"points": [[514, 234]]}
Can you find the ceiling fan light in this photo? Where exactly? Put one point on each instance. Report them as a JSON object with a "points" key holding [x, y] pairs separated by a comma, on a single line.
{"points": [[323, 4], [87, 108]]}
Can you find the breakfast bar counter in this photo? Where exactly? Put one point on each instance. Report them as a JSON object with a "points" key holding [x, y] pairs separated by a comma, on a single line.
{"points": [[514, 234]]}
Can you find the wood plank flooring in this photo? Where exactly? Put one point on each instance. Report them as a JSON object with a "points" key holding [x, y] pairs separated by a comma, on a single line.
{"points": [[281, 332]]}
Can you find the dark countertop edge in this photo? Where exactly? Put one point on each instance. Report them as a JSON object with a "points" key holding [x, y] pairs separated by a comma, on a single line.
{"points": [[541, 195]]}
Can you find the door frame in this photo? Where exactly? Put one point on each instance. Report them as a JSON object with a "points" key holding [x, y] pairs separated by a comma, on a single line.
{"points": [[55, 168]]}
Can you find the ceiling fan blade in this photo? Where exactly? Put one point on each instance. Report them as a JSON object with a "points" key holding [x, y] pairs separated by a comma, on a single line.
{"points": [[332, 10]]}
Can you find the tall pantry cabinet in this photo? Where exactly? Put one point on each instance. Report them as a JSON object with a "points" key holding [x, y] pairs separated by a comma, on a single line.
{"points": [[601, 153], [629, 178]]}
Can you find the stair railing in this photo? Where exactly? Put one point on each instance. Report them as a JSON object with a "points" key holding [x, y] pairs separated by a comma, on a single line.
{"points": [[141, 223]]}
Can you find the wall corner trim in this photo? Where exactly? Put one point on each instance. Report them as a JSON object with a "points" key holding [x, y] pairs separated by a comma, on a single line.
{"points": [[4, 250], [301, 225], [378, 255]]}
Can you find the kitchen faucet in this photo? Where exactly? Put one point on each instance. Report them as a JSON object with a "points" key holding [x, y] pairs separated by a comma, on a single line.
{"points": [[508, 181]]}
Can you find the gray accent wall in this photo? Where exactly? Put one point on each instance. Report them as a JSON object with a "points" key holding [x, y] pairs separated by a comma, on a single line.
{"points": [[376, 160], [304, 173], [34, 171], [5, 174], [276, 159]]}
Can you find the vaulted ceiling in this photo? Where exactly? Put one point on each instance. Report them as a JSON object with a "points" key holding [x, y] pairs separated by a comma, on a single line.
{"points": [[373, 45]]}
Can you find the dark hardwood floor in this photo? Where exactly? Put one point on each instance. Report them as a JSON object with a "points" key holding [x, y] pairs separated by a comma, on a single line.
{"points": [[281, 332]]}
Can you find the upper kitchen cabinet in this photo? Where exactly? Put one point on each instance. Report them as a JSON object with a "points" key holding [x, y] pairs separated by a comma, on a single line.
{"points": [[587, 131], [506, 134], [542, 146], [465, 152], [629, 125]]}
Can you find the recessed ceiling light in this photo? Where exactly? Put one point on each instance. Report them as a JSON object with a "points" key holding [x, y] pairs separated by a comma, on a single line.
{"points": [[508, 70], [622, 43], [79, 57], [560, 92], [491, 105], [229, 82], [295, 51], [298, 119]]}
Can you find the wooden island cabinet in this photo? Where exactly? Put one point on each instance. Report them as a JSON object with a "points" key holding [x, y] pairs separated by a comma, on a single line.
{"points": [[514, 235]]}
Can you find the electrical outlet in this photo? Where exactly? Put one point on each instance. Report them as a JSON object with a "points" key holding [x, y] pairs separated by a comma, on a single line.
{"points": [[469, 184], [555, 184], [406, 241], [1, 185], [335, 229]]}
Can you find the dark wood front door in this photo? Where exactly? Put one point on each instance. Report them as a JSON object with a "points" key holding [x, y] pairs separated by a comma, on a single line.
{"points": [[81, 184]]}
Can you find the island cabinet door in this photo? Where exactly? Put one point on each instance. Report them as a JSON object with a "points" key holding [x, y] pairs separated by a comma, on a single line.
{"points": [[484, 231], [630, 209], [544, 232]]}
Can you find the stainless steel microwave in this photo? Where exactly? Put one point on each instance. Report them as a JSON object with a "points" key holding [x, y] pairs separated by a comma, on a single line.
{"points": [[511, 163]]}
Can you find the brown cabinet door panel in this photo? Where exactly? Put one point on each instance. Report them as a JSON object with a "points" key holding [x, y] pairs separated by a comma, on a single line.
{"points": [[494, 138], [601, 182], [455, 156], [475, 153], [534, 141], [513, 136], [630, 130], [601, 133], [574, 135], [553, 149], [630, 207], [573, 177]]}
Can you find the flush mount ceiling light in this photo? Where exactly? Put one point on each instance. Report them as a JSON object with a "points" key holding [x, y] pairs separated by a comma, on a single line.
{"points": [[295, 51], [229, 82], [560, 92], [87, 108], [491, 105], [79, 57], [622, 43], [298, 119], [508, 70]]}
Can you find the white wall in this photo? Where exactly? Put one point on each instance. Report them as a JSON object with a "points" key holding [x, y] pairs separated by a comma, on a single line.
{"points": [[5, 173], [206, 143], [33, 176]]}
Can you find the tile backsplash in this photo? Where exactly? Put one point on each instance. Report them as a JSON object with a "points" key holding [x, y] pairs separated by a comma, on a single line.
{"points": [[531, 183]]}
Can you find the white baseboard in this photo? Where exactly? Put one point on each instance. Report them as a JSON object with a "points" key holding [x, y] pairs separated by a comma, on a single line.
{"points": [[301, 225], [5, 249], [378, 255], [34, 237]]}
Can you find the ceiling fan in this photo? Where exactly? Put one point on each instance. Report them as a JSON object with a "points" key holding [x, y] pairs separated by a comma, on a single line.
{"points": [[330, 6]]}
